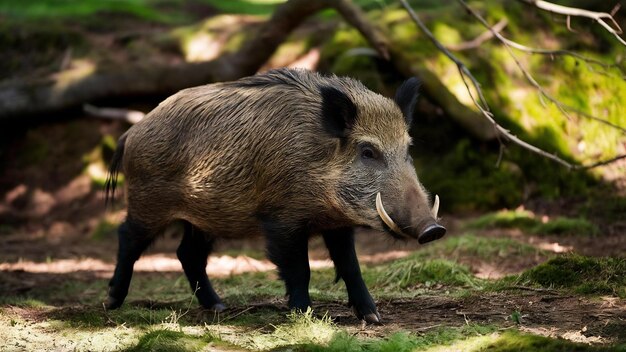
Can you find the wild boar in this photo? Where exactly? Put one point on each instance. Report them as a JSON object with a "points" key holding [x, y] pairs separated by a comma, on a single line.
{"points": [[286, 154]]}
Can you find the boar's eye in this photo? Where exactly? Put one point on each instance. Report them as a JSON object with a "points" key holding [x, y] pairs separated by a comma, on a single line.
{"points": [[369, 152]]}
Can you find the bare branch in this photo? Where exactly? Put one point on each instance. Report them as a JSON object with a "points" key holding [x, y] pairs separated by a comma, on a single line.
{"points": [[600, 17], [130, 116], [481, 102], [561, 106], [476, 42]]}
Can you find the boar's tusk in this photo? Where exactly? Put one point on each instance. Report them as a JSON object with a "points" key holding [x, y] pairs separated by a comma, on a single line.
{"points": [[386, 218], [435, 209]]}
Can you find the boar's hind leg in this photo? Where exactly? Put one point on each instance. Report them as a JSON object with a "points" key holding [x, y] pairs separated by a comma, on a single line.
{"points": [[340, 245], [133, 240], [289, 251], [192, 253]]}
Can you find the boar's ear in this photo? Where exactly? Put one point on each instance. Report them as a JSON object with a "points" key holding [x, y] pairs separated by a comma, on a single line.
{"points": [[338, 111], [406, 97]]}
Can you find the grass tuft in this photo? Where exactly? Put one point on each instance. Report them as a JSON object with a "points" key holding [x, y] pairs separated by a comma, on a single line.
{"points": [[412, 270], [168, 340], [300, 329]]}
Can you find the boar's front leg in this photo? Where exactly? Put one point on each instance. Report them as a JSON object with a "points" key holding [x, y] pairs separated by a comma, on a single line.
{"points": [[340, 245], [289, 251], [192, 253]]}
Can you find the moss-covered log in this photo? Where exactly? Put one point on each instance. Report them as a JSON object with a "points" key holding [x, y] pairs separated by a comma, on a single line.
{"points": [[75, 87]]}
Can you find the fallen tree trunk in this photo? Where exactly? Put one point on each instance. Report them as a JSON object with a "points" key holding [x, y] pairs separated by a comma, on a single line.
{"points": [[71, 88]]}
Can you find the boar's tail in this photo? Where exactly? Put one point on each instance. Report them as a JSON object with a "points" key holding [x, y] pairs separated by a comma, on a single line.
{"points": [[116, 162]]}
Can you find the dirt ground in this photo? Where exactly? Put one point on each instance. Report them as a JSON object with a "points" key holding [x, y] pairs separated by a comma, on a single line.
{"points": [[44, 262]]}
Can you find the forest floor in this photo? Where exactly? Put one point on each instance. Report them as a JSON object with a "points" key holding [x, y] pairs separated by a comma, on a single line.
{"points": [[550, 277], [467, 292], [510, 280]]}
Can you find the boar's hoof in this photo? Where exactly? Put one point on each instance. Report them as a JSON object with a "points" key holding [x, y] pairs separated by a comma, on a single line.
{"points": [[431, 233], [218, 307], [113, 303], [370, 318]]}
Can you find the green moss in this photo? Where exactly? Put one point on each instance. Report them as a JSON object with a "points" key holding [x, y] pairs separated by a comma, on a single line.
{"points": [[588, 275], [563, 225], [527, 221], [466, 178]]}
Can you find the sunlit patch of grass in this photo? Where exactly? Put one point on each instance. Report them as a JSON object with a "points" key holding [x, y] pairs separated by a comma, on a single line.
{"points": [[402, 341], [23, 334], [516, 341], [127, 315], [300, 328], [168, 340], [527, 221], [413, 270], [505, 219]]}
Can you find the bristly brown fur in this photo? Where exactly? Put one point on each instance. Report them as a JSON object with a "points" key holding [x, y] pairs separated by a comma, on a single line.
{"points": [[222, 156]]}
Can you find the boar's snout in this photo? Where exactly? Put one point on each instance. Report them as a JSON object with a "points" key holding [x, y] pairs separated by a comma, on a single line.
{"points": [[432, 231], [413, 224]]}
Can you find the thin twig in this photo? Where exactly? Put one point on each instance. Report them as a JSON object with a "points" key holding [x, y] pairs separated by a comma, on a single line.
{"points": [[558, 52], [599, 17], [237, 314], [526, 288], [478, 41], [602, 162], [507, 44]]}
